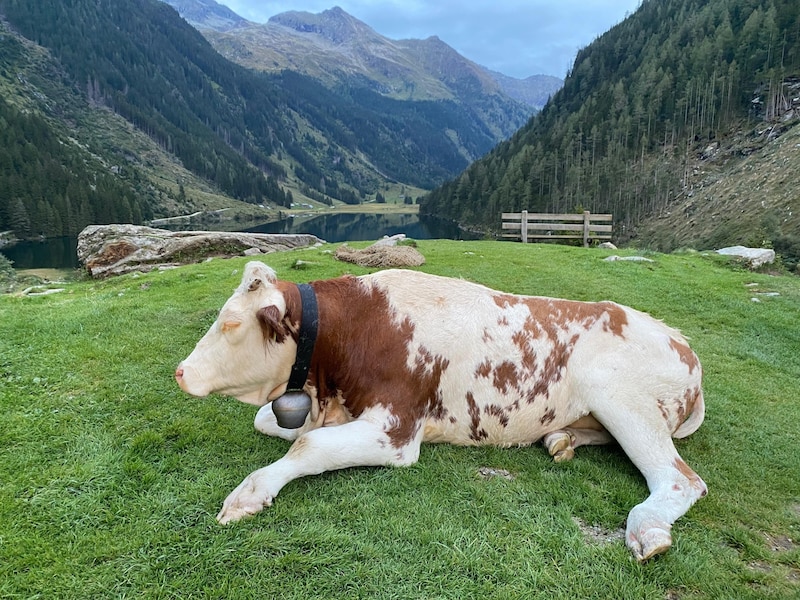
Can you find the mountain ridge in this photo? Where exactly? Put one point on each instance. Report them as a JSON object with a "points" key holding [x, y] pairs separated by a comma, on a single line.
{"points": [[294, 40], [259, 138]]}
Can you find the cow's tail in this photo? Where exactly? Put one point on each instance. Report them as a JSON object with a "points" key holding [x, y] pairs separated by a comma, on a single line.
{"points": [[693, 422]]}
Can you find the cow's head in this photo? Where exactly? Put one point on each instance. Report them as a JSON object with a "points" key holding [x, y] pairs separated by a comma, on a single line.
{"points": [[249, 350]]}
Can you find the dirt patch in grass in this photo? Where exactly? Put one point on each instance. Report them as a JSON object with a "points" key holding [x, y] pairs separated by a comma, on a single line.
{"points": [[595, 534], [780, 543], [491, 472]]}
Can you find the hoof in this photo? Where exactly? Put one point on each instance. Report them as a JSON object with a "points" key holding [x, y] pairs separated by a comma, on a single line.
{"points": [[649, 544], [559, 445]]}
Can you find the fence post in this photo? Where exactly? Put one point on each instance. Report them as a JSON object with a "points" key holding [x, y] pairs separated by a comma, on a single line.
{"points": [[524, 227], [586, 229]]}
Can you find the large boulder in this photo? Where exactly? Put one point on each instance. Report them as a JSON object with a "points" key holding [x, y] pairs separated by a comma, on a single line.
{"points": [[116, 249], [754, 257]]}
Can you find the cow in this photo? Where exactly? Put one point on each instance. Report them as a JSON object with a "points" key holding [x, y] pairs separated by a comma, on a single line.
{"points": [[400, 357]]}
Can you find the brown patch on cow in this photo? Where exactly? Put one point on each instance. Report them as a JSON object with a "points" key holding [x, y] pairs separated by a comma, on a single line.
{"points": [[362, 353], [690, 398], [685, 353], [487, 337], [522, 341], [617, 319], [476, 433], [506, 300], [586, 314], [662, 406], [694, 478], [505, 377], [497, 411], [555, 364], [548, 417], [484, 369]]}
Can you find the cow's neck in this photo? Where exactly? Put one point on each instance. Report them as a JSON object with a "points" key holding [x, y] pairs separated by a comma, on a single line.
{"points": [[306, 337]]}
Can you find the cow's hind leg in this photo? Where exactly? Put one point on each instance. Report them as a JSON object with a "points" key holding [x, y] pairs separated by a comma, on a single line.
{"points": [[586, 431], [673, 486], [363, 442]]}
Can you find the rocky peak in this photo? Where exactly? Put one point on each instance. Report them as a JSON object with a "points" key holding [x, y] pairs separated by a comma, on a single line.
{"points": [[333, 24], [208, 14]]}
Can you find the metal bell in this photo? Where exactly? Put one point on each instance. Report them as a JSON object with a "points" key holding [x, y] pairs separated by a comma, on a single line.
{"points": [[291, 409]]}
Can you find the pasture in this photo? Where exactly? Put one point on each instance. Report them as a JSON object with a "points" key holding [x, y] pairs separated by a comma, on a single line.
{"points": [[110, 476]]}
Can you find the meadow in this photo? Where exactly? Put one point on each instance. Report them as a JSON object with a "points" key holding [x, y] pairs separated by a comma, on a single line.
{"points": [[110, 476]]}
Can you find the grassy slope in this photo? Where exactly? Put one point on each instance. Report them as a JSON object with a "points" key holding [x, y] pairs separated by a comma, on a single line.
{"points": [[744, 192], [110, 477]]}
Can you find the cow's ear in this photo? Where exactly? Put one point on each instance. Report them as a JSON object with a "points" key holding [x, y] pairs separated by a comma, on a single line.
{"points": [[272, 324]]}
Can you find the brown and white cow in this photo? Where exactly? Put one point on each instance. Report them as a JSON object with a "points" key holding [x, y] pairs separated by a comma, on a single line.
{"points": [[403, 357]]}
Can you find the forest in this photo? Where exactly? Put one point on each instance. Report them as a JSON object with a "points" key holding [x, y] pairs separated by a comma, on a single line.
{"points": [[48, 188], [242, 131], [639, 104]]}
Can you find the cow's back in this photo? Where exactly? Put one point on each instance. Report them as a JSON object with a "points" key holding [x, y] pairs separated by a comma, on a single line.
{"points": [[517, 367]]}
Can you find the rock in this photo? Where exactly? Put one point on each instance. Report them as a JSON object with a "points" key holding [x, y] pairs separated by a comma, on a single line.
{"points": [[607, 246], [629, 258], [38, 290], [116, 249], [754, 257], [390, 241]]}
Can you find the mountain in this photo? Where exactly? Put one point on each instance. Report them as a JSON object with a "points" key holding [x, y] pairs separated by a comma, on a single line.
{"points": [[339, 49], [129, 95], [207, 14], [535, 90], [640, 113]]}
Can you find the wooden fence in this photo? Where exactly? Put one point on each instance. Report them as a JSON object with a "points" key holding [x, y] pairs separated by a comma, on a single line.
{"points": [[543, 226]]}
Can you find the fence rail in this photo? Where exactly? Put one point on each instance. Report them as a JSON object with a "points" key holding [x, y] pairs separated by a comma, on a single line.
{"points": [[545, 226]]}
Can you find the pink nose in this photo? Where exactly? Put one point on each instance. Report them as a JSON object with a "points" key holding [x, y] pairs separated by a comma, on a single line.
{"points": [[179, 374]]}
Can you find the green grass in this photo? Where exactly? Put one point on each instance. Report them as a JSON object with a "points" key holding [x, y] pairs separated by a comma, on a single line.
{"points": [[110, 476]]}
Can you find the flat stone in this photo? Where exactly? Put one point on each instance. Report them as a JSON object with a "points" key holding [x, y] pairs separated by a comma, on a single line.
{"points": [[116, 249], [755, 257]]}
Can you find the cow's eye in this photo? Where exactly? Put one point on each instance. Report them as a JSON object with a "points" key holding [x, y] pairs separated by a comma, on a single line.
{"points": [[228, 326]]}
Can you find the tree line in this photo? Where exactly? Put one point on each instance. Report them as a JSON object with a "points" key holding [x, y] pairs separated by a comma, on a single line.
{"points": [[638, 104], [242, 131]]}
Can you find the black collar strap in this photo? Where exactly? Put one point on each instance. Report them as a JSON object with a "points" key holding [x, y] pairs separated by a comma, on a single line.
{"points": [[306, 337]]}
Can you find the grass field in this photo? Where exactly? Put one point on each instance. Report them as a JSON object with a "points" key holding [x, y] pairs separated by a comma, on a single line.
{"points": [[110, 476]]}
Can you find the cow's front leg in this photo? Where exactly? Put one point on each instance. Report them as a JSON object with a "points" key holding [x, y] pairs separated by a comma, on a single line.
{"points": [[267, 423], [360, 443]]}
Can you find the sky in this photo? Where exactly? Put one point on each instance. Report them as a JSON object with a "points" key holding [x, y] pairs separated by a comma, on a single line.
{"points": [[518, 38]]}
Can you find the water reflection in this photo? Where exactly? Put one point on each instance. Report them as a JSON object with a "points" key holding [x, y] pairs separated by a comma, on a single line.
{"points": [[354, 227], [51, 253], [59, 253]]}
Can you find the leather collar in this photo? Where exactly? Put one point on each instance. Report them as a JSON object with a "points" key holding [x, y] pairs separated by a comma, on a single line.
{"points": [[306, 337]]}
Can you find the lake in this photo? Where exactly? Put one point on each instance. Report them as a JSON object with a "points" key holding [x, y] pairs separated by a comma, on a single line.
{"points": [[59, 253]]}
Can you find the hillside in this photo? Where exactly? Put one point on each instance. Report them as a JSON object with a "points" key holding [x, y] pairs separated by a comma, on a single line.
{"points": [[145, 82], [340, 50], [347, 55], [630, 131]]}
